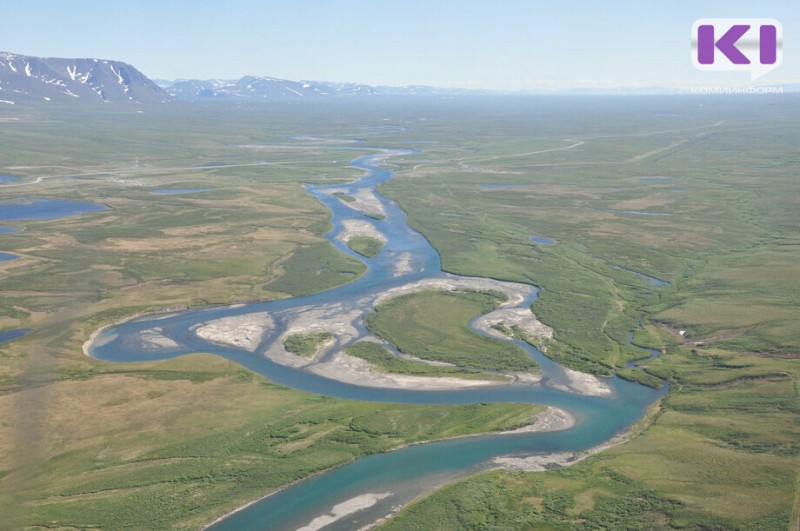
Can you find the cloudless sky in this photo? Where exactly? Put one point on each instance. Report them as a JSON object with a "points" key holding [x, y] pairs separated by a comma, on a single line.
{"points": [[511, 44]]}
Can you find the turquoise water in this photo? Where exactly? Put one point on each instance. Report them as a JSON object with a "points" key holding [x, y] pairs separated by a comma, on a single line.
{"points": [[403, 474]]}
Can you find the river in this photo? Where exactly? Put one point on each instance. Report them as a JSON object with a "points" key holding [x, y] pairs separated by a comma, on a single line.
{"points": [[377, 484]]}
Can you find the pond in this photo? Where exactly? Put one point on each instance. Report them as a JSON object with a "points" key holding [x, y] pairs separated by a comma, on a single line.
{"points": [[38, 208]]}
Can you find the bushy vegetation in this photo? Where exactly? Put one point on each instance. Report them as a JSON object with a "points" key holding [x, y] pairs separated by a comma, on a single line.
{"points": [[365, 245], [385, 360], [432, 325], [306, 345], [315, 268]]}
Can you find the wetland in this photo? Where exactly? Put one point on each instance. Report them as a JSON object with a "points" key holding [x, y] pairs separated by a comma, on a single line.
{"points": [[86, 430]]}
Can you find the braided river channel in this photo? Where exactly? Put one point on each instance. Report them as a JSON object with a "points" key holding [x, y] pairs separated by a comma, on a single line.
{"points": [[370, 488]]}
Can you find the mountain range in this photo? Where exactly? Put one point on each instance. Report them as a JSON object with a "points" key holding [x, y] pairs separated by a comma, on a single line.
{"points": [[25, 79], [252, 88]]}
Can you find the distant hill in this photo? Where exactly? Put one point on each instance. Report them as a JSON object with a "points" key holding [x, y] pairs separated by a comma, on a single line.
{"points": [[30, 79], [261, 88], [252, 88]]}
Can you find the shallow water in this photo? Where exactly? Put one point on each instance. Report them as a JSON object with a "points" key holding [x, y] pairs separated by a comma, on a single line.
{"points": [[10, 335], [37, 208], [403, 474], [653, 281], [542, 240]]}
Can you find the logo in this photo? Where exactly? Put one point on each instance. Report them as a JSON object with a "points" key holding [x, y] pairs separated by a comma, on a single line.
{"points": [[753, 45]]}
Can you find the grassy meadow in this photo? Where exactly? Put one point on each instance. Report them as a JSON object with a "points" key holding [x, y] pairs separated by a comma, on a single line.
{"points": [[699, 192], [432, 325], [365, 245], [176, 443]]}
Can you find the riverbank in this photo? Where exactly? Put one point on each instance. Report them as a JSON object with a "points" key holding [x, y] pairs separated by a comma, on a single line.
{"points": [[550, 420], [153, 316], [543, 462]]}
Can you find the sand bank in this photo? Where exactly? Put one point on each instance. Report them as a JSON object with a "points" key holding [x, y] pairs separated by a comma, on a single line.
{"points": [[349, 369], [241, 331], [584, 384], [540, 462], [153, 340], [364, 200], [509, 317], [403, 264], [339, 511], [515, 292], [552, 419], [359, 227]]}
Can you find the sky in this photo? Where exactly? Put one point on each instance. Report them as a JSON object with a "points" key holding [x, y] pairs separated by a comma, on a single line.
{"points": [[499, 45]]}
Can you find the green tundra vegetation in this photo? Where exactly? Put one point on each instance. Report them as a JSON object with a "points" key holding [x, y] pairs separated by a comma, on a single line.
{"points": [[721, 450], [175, 443], [365, 245], [384, 360], [306, 345], [432, 325], [700, 192]]}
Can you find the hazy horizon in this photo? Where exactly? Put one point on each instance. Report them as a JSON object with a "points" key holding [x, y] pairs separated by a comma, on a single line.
{"points": [[508, 46]]}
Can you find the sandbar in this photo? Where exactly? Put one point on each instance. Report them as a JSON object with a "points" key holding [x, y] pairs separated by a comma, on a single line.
{"points": [[551, 419], [359, 227], [242, 331], [340, 510], [364, 200], [584, 384]]}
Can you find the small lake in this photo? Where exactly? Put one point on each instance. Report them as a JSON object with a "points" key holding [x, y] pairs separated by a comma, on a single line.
{"points": [[178, 191], [5, 257], [653, 281], [8, 230], [541, 240], [8, 179], [655, 179], [37, 208], [10, 335]]}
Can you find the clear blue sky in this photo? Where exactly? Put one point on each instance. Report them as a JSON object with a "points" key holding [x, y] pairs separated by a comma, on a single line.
{"points": [[512, 44]]}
